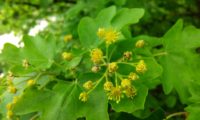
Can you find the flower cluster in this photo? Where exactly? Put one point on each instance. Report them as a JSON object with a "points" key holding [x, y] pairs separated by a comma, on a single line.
{"points": [[115, 93], [122, 85]]}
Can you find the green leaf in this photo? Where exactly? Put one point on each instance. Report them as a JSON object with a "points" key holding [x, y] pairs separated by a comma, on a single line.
{"points": [[127, 16], [107, 13], [194, 111], [75, 10], [131, 105], [87, 29], [180, 47], [39, 51], [74, 62], [150, 103], [62, 101], [11, 55]]}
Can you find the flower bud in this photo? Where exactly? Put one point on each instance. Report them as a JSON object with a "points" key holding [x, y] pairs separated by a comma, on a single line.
{"points": [[108, 86], [141, 67], [67, 56], [83, 97], [139, 44], [127, 55], [88, 85], [112, 67], [30, 82], [95, 69]]}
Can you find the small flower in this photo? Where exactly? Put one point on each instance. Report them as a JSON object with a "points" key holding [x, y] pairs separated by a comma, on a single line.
{"points": [[10, 76], [141, 67], [9, 106], [9, 114], [9, 82], [127, 55], [108, 86], [96, 55], [15, 99], [30, 82], [125, 83], [112, 67], [83, 97], [25, 63], [67, 56], [130, 92], [111, 36], [96, 68], [115, 94], [12, 89], [133, 76], [88, 85], [68, 38], [101, 33], [139, 44]]}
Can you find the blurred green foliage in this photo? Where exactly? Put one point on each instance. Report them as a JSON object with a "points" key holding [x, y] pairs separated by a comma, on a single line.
{"points": [[170, 85], [21, 15]]}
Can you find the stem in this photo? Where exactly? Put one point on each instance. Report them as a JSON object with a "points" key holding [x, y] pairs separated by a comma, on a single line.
{"points": [[116, 80], [111, 53], [107, 53], [175, 114], [97, 82], [132, 64], [58, 65], [160, 54], [34, 117]]}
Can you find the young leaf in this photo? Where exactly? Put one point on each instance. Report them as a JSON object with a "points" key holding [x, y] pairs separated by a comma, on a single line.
{"points": [[127, 16], [180, 47], [87, 29], [107, 13]]}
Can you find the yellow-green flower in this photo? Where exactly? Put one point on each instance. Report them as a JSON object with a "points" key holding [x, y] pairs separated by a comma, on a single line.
{"points": [[15, 99], [96, 55], [133, 76], [101, 33], [30, 82], [10, 76], [25, 63], [125, 83], [83, 97], [111, 36], [9, 114], [88, 85], [112, 67], [115, 94], [9, 106], [12, 89], [95, 69], [127, 55], [141, 67], [108, 86], [130, 92], [67, 56], [68, 38], [139, 44]]}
